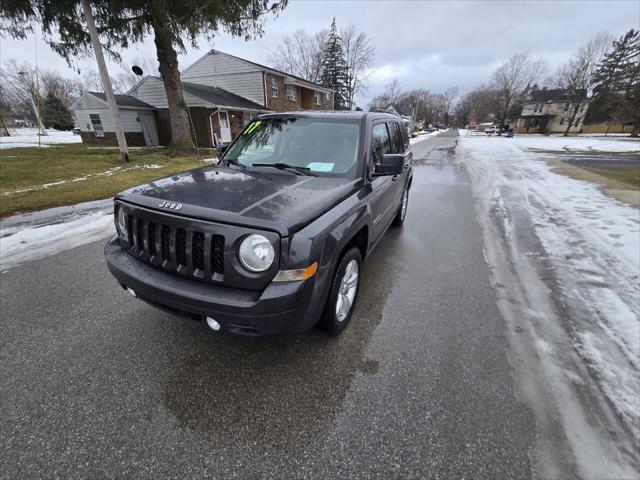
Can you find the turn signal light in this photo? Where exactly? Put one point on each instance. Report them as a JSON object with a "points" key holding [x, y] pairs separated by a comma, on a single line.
{"points": [[296, 275]]}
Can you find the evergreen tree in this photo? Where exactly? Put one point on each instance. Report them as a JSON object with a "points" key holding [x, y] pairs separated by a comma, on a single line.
{"points": [[334, 67], [55, 114], [617, 90]]}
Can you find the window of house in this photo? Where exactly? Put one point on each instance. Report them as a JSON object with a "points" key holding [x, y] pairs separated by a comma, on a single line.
{"points": [[274, 88], [247, 117], [562, 121], [292, 92], [96, 123], [317, 97], [380, 142], [566, 107]]}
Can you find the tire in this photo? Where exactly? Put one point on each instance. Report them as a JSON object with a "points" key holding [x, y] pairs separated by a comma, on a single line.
{"points": [[334, 317], [402, 209]]}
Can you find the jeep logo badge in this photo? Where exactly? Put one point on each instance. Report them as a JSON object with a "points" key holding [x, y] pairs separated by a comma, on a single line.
{"points": [[171, 205]]}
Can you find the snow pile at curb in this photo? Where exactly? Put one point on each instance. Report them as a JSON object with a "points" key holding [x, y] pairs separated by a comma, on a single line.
{"points": [[22, 244], [592, 243]]}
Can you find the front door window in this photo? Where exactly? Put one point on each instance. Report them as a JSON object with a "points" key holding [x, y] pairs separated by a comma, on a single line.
{"points": [[225, 131]]}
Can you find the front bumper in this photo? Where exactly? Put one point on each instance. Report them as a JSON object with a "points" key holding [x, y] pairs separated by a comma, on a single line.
{"points": [[280, 307]]}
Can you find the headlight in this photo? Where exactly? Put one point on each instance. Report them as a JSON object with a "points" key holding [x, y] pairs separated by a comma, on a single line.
{"points": [[256, 253], [121, 222]]}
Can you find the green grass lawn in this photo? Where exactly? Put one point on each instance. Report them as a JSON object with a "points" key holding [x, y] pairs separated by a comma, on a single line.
{"points": [[630, 177], [29, 169]]}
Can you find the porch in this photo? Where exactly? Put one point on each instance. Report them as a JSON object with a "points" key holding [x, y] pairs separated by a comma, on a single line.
{"points": [[533, 123], [211, 127]]}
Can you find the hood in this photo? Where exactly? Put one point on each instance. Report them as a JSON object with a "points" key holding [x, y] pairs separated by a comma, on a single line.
{"points": [[263, 198]]}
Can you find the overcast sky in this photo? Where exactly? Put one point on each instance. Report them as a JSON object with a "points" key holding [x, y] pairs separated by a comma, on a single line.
{"points": [[424, 44]]}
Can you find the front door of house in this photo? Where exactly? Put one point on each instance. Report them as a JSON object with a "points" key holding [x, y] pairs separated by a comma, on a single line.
{"points": [[225, 129]]}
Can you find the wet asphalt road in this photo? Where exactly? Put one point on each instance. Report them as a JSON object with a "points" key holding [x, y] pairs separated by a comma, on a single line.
{"points": [[96, 384]]}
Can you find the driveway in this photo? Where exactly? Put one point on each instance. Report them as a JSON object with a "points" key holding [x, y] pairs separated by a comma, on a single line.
{"points": [[97, 384]]}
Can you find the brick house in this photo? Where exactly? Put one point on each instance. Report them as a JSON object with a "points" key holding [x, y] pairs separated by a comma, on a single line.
{"points": [[217, 115], [549, 111], [271, 88], [223, 93]]}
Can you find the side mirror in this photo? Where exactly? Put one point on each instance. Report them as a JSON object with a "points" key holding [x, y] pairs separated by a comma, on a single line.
{"points": [[392, 164]]}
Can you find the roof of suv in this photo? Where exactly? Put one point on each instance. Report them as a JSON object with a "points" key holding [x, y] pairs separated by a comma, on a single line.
{"points": [[339, 114]]}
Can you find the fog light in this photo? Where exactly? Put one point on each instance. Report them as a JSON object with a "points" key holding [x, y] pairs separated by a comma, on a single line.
{"points": [[131, 292], [213, 324]]}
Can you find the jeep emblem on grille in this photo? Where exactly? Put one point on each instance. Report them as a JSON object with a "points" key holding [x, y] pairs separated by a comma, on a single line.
{"points": [[171, 205]]}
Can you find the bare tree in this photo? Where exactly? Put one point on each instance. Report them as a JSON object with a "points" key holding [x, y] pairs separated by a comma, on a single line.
{"points": [[22, 86], [449, 97], [511, 80], [358, 53], [90, 81], [301, 55], [125, 80], [390, 96], [478, 105], [62, 88], [578, 75]]}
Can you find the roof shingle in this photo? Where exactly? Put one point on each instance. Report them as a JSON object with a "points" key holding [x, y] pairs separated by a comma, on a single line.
{"points": [[556, 95], [124, 100], [221, 97]]}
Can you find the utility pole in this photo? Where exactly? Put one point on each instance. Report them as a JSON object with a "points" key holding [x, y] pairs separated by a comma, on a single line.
{"points": [[106, 81], [35, 104]]}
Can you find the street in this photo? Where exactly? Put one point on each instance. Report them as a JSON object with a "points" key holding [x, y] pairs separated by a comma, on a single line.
{"points": [[97, 384]]}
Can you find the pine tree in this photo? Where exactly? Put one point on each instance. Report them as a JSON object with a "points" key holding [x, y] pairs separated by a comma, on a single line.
{"points": [[617, 90], [334, 67], [55, 114]]}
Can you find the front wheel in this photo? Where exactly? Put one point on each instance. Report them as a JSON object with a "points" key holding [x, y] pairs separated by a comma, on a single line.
{"points": [[344, 293], [402, 209]]}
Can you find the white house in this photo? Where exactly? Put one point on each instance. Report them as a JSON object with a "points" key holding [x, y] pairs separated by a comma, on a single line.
{"points": [[549, 111], [93, 116]]}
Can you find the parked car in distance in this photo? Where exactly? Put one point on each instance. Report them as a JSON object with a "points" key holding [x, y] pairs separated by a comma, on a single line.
{"points": [[273, 239]]}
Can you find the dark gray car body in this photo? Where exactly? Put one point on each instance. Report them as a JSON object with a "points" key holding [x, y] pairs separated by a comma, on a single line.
{"points": [[307, 219]]}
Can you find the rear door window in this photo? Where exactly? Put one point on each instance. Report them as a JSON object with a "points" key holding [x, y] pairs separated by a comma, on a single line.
{"points": [[405, 137], [380, 142], [396, 138]]}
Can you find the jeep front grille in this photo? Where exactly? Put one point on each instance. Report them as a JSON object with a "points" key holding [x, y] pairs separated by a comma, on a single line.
{"points": [[188, 252]]}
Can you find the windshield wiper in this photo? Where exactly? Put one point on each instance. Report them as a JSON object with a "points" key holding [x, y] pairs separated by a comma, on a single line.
{"points": [[285, 166], [234, 162]]}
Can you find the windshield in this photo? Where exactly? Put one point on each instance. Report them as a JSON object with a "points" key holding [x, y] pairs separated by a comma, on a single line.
{"points": [[328, 147]]}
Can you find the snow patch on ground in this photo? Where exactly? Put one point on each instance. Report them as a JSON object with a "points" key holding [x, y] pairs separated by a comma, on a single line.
{"points": [[424, 136], [28, 137], [592, 244], [544, 142], [24, 243], [574, 143]]}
